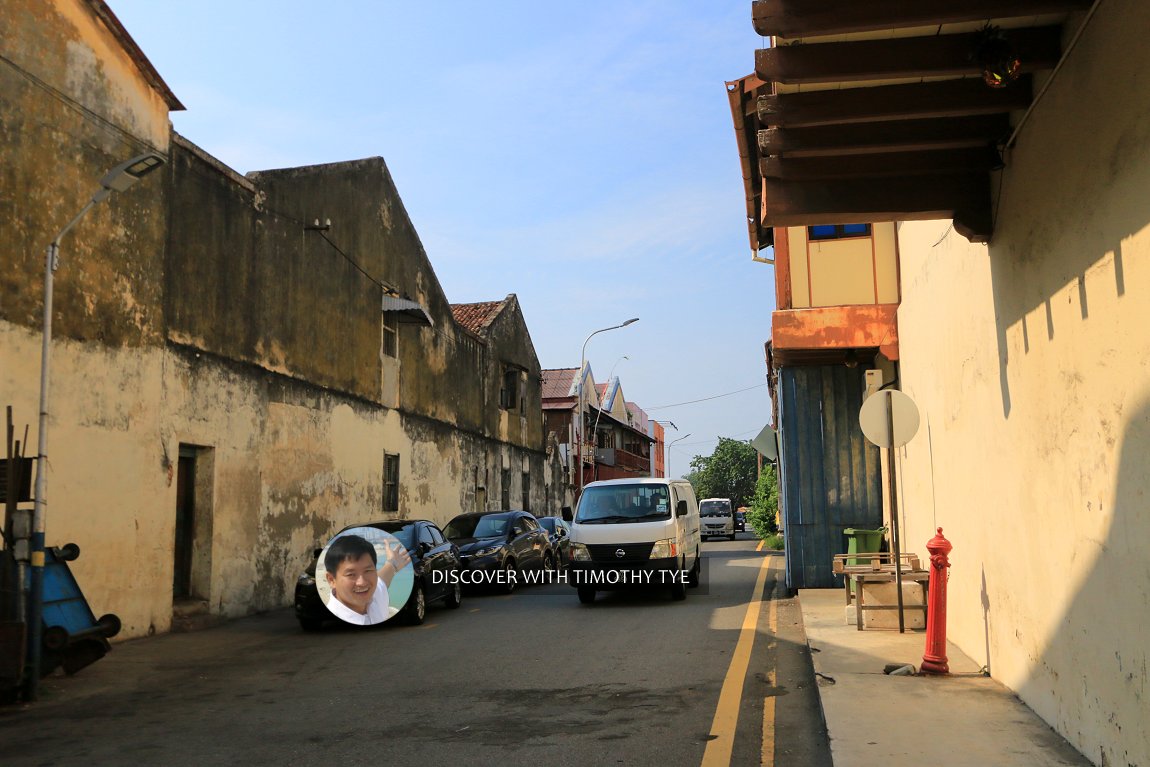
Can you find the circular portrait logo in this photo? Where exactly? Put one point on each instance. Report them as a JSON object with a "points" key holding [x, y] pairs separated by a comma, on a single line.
{"points": [[364, 575]]}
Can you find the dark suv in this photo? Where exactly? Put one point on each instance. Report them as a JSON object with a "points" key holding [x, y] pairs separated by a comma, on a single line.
{"points": [[495, 546]]}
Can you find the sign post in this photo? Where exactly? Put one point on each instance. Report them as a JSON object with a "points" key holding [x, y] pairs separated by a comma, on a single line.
{"points": [[889, 419]]}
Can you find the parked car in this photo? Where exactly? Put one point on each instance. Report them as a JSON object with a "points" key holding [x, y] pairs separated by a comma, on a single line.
{"points": [[495, 546], [437, 567], [560, 533], [717, 517]]}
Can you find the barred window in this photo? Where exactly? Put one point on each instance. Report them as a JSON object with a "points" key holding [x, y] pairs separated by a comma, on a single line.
{"points": [[390, 482]]}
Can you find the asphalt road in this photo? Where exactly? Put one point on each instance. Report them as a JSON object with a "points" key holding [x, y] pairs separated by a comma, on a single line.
{"points": [[534, 677]]}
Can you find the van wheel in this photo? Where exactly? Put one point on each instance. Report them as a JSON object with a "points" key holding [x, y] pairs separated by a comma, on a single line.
{"points": [[679, 591], [696, 571], [586, 595]]}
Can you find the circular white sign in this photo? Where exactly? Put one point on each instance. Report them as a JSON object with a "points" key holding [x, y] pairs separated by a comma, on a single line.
{"points": [[875, 419]]}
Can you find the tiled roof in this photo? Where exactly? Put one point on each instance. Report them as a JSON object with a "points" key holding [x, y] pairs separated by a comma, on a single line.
{"points": [[476, 317], [557, 383]]}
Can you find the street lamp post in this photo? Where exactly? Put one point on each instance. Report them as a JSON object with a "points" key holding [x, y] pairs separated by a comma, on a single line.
{"points": [[117, 179], [680, 439], [579, 413]]}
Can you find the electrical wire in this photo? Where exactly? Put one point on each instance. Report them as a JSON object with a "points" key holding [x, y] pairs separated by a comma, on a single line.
{"points": [[706, 399]]}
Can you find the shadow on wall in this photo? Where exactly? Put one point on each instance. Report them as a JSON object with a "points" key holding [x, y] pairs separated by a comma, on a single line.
{"points": [[1021, 283], [1075, 191], [1093, 673]]}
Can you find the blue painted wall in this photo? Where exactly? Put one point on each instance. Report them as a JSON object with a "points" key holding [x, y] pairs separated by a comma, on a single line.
{"points": [[829, 473]]}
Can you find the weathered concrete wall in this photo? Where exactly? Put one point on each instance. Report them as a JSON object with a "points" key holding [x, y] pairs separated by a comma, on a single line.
{"points": [[1031, 365], [72, 106], [246, 281], [195, 317], [509, 345]]}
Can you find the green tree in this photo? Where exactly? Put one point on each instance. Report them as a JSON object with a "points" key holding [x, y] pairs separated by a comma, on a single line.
{"points": [[761, 515], [729, 472]]}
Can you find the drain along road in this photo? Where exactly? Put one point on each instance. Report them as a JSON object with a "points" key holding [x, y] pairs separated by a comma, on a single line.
{"points": [[531, 678]]}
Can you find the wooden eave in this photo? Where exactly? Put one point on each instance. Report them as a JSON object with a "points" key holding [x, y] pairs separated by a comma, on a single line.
{"points": [[804, 18], [743, 95], [877, 111]]}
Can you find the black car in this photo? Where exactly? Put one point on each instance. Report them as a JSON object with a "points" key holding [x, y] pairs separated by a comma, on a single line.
{"points": [[560, 533], [740, 521], [437, 568], [496, 546]]}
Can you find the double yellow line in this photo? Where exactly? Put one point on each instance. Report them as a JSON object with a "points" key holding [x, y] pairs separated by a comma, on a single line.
{"points": [[723, 726]]}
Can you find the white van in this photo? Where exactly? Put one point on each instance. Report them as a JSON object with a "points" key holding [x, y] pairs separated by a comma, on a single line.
{"points": [[635, 532], [717, 517]]}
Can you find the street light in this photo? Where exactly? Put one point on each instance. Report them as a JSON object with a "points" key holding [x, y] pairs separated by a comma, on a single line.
{"points": [[582, 365], [117, 179], [680, 439]]}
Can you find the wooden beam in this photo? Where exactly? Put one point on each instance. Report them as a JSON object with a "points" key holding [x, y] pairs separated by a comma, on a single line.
{"points": [[871, 200], [802, 18], [893, 136], [976, 160], [948, 98], [906, 57]]}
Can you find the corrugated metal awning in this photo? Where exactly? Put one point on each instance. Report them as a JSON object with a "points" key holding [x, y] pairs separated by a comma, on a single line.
{"points": [[407, 311]]}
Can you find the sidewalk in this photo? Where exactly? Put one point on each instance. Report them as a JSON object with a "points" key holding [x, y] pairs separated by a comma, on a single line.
{"points": [[874, 719]]}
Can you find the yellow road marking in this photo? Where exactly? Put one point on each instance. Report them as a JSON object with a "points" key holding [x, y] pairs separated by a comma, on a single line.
{"points": [[718, 751], [760, 546], [768, 758]]}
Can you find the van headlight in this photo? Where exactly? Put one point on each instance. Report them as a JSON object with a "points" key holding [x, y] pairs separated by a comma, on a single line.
{"points": [[665, 549], [579, 553]]}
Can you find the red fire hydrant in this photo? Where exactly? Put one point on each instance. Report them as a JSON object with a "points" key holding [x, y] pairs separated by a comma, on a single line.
{"points": [[934, 660]]}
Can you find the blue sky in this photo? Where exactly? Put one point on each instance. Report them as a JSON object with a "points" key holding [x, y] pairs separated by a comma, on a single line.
{"points": [[579, 155]]}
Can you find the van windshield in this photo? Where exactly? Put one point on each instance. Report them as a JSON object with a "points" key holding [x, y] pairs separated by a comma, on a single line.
{"points": [[715, 509], [611, 504]]}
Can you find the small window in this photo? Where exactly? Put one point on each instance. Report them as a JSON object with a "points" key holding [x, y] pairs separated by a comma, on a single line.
{"points": [[390, 335], [509, 394], [526, 491], [425, 535], [837, 231], [390, 482], [507, 488]]}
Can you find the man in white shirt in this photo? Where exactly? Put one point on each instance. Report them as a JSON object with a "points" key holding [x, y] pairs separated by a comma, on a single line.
{"points": [[358, 589]]}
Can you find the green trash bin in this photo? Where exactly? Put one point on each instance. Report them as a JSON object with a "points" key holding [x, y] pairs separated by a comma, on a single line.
{"points": [[861, 541]]}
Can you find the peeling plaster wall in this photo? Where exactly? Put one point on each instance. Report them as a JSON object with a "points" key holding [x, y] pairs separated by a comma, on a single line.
{"points": [[1030, 363], [72, 106], [193, 312]]}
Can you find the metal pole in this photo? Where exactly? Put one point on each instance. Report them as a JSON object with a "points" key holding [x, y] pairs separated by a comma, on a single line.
{"points": [[583, 364], [36, 595], [39, 511], [894, 511]]}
